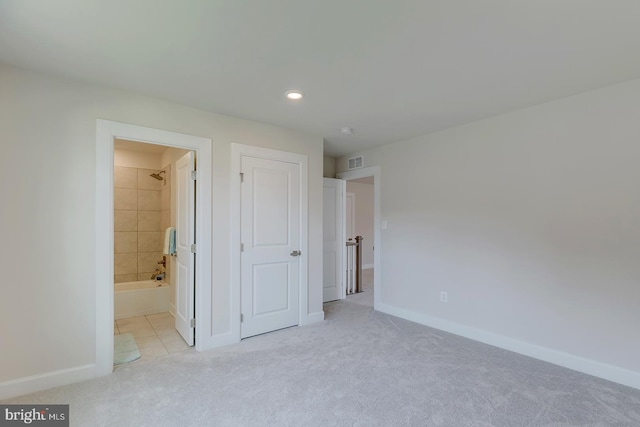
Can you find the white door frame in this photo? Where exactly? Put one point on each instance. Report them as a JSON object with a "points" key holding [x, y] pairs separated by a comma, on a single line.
{"points": [[351, 221], [373, 171], [237, 151], [106, 132]]}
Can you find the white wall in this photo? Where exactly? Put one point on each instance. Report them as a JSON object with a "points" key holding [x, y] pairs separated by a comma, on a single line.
{"points": [[364, 218], [329, 167], [531, 222], [48, 137]]}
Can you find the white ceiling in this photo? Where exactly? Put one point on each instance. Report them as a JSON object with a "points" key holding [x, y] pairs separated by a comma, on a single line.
{"points": [[388, 69]]}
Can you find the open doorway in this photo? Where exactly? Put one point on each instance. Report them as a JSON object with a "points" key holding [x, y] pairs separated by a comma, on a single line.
{"points": [[359, 215], [107, 132], [336, 227], [152, 199]]}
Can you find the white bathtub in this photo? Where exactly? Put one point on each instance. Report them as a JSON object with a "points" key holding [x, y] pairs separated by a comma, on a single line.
{"points": [[139, 298]]}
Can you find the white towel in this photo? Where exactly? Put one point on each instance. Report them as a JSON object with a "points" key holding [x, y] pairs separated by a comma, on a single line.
{"points": [[169, 241]]}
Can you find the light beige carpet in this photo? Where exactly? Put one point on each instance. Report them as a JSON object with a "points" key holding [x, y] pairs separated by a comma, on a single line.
{"points": [[358, 368]]}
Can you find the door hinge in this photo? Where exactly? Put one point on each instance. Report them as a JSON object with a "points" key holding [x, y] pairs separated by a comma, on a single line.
{"points": [[194, 175], [241, 177], [241, 247], [241, 318], [193, 248], [192, 323]]}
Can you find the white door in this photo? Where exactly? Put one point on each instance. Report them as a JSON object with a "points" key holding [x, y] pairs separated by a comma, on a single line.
{"points": [[185, 236], [333, 229], [270, 244]]}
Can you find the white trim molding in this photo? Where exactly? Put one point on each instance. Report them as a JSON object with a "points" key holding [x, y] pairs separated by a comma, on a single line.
{"points": [[33, 383], [567, 360], [375, 172], [316, 317]]}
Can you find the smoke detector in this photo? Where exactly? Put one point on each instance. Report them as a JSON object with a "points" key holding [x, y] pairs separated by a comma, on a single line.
{"points": [[346, 131]]}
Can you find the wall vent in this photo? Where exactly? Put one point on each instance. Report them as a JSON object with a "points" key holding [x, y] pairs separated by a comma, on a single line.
{"points": [[356, 162]]}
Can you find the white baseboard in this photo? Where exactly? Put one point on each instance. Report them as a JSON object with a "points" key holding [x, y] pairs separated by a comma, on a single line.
{"points": [[172, 309], [33, 383], [577, 363], [229, 338], [367, 266], [218, 341], [316, 317]]}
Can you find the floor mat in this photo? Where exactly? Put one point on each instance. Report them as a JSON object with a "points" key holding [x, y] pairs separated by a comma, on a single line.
{"points": [[125, 349]]}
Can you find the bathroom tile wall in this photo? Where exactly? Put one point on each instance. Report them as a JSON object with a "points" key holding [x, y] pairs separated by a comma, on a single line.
{"points": [[138, 223]]}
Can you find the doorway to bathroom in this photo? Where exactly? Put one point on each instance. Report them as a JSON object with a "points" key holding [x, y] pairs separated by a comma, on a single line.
{"points": [[153, 266], [150, 279]]}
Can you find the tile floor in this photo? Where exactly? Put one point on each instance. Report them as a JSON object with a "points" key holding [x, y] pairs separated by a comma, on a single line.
{"points": [[155, 335]]}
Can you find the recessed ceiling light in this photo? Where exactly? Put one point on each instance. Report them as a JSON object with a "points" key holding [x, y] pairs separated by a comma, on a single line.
{"points": [[346, 131], [294, 95]]}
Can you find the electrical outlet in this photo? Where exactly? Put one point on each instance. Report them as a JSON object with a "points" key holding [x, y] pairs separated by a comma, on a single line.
{"points": [[444, 297]]}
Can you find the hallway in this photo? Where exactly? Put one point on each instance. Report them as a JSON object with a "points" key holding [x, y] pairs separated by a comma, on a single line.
{"points": [[366, 296]]}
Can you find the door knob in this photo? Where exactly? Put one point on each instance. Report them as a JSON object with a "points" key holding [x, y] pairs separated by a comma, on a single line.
{"points": [[296, 253]]}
